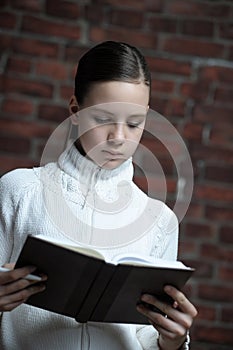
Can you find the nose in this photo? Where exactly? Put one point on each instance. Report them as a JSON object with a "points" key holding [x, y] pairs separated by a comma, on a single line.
{"points": [[117, 133]]}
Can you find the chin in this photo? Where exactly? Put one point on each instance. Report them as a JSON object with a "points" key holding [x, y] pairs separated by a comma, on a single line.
{"points": [[112, 164]]}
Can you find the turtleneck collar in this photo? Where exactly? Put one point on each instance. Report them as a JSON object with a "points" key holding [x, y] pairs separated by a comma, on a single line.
{"points": [[73, 163]]}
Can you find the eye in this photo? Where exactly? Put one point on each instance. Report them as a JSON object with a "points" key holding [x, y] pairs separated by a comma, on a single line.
{"points": [[135, 124], [102, 120]]}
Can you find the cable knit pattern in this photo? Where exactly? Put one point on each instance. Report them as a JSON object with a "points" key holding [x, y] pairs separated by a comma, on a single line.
{"points": [[76, 199]]}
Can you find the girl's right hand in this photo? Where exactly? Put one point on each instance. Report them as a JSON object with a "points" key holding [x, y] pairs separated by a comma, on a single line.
{"points": [[15, 289]]}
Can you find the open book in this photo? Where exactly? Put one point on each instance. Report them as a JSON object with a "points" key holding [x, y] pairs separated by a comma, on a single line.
{"points": [[82, 285]]}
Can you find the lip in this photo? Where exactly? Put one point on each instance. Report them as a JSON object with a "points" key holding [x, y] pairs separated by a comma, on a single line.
{"points": [[113, 154]]}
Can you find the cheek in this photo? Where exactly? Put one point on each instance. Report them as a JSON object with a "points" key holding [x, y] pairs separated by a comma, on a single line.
{"points": [[91, 139]]}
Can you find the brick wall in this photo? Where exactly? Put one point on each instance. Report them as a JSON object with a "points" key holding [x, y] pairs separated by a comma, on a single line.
{"points": [[188, 45]]}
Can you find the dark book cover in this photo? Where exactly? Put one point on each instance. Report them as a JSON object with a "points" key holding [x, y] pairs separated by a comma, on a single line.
{"points": [[90, 289]]}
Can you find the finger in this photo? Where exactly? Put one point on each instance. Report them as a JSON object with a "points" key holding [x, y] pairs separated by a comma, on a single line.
{"points": [[10, 307], [20, 296], [166, 325], [183, 303], [20, 284], [9, 265], [183, 319], [13, 275]]}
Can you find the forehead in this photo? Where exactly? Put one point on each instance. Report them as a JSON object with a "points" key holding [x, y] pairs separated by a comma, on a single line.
{"points": [[117, 91], [115, 110]]}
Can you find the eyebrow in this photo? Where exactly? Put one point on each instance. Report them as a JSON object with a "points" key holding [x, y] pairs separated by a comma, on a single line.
{"points": [[113, 114]]}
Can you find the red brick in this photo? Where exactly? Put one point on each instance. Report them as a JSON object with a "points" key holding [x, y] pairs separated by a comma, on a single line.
{"points": [[199, 231], [197, 28], [208, 334], [25, 129], [52, 69], [166, 25], [158, 148], [5, 41], [219, 173], [7, 20], [216, 292], [224, 94], [213, 193], [207, 313], [159, 104], [18, 65], [34, 47], [202, 269], [187, 249], [162, 86], [217, 73], [73, 71], [225, 273], [222, 136], [219, 213], [31, 88], [194, 8], [215, 253], [166, 164], [29, 5], [66, 92], [45, 27], [195, 210], [53, 113], [135, 4], [154, 5], [63, 9], [211, 154], [126, 18], [213, 114], [14, 144], [230, 53], [18, 107], [193, 131], [226, 30], [95, 13], [154, 185], [193, 47], [74, 53], [169, 66], [9, 162], [175, 107], [197, 91], [226, 234], [227, 313], [132, 37]]}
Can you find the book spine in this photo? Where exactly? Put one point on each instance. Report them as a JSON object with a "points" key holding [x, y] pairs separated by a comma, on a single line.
{"points": [[95, 292], [110, 293]]}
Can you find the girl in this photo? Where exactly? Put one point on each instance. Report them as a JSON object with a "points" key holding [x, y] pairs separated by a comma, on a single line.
{"points": [[88, 196]]}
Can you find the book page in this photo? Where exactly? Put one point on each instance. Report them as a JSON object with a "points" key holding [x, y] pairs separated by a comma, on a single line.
{"points": [[65, 243], [138, 259]]}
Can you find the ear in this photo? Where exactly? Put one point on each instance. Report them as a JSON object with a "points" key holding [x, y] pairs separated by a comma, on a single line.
{"points": [[73, 109]]}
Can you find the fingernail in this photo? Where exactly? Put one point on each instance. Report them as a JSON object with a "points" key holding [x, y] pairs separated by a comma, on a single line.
{"points": [[31, 268], [168, 288], [145, 297], [43, 276]]}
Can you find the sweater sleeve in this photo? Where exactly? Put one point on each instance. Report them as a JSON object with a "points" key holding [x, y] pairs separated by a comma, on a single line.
{"points": [[8, 208], [14, 187]]}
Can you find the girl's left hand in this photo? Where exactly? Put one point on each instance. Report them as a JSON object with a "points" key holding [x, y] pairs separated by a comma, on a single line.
{"points": [[174, 327]]}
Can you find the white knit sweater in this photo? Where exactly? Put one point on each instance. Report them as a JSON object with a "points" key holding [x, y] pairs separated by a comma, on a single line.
{"points": [[76, 199]]}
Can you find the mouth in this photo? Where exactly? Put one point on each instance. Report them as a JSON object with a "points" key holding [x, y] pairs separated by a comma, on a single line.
{"points": [[113, 154]]}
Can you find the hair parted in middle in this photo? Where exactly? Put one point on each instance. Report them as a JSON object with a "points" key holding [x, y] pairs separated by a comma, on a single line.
{"points": [[110, 61]]}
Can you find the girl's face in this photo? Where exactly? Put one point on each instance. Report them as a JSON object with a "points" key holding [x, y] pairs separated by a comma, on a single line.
{"points": [[111, 121]]}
